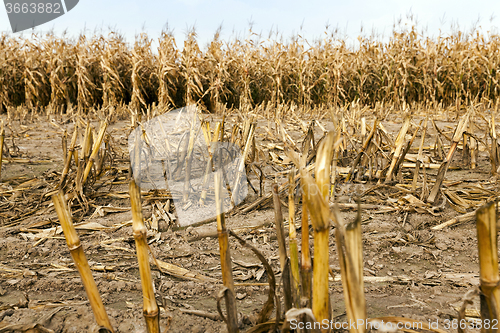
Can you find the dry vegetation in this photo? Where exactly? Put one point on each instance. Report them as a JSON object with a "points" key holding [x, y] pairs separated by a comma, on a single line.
{"points": [[312, 122], [105, 71]]}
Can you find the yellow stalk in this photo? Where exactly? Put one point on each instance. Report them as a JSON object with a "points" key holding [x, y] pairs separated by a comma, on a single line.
{"points": [[351, 259], [241, 166], [76, 250], [316, 194], [209, 167], [69, 156], [2, 138], [294, 253], [400, 139], [95, 151], [486, 223], [459, 130], [151, 312], [225, 254], [320, 220], [419, 156], [305, 262]]}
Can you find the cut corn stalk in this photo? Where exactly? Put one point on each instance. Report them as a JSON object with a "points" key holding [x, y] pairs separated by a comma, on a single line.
{"points": [[241, 166], [419, 156], [316, 194], [350, 249], [305, 255], [225, 254], [95, 151], [486, 222], [76, 250], [151, 312], [69, 155], [209, 167], [363, 149], [284, 260], [2, 138], [294, 254], [459, 130], [400, 139]]}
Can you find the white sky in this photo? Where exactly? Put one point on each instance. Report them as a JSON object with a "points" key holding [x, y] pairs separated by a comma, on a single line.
{"points": [[132, 16]]}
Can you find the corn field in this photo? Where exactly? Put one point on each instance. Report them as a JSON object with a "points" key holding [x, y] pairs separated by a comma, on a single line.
{"points": [[346, 216], [99, 71]]}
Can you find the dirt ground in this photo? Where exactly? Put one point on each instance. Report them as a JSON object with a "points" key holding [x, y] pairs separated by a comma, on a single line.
{"points": [[410, 270]]}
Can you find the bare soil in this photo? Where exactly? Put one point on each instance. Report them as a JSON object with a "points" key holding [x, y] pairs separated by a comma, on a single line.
{"points": [[423, 274]]}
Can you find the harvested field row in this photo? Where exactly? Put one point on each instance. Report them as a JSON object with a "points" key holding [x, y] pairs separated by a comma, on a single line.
{"points": [[379, 207]]}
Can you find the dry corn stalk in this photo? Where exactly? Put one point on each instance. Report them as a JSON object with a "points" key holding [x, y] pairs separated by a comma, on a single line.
{"points": [[209, 167], [241, 166], [419, 156], [294, 253], [284, 260], [225, 254], [2, 138], [305, 255], [69, 156], [350, 249], [486, 222], [190, 148], [76, 250], [95, 151], [151, 312], [459, 130], [315, 198], [494, 151], [400, 139], [366, 143]]}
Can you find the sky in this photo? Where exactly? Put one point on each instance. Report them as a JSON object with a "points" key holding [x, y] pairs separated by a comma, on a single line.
{"points": [[308, 19]]}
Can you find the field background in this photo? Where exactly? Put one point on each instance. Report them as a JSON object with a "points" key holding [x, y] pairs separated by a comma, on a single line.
{"points": [[406, 71]]}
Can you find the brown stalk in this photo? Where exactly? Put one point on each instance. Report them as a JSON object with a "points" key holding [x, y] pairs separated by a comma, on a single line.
{"points": [[76, 250], [95, 151], [278, 218], [192, 137], [400, 139], [350, 248], [486, 223], [225, 254], [459, 130], [209, 166], [419, 156], [150, 307], [284, 260], [65, 145], [241, 166], [292, 234], [69, 155], [494, 152], [363, 149], [2, 138], [316, 195], [305, 255], [406, 150]]}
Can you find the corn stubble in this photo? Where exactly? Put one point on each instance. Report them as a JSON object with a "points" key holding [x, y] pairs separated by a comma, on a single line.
{"points": [[486, 223], [151, 311], [81, 263]]}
